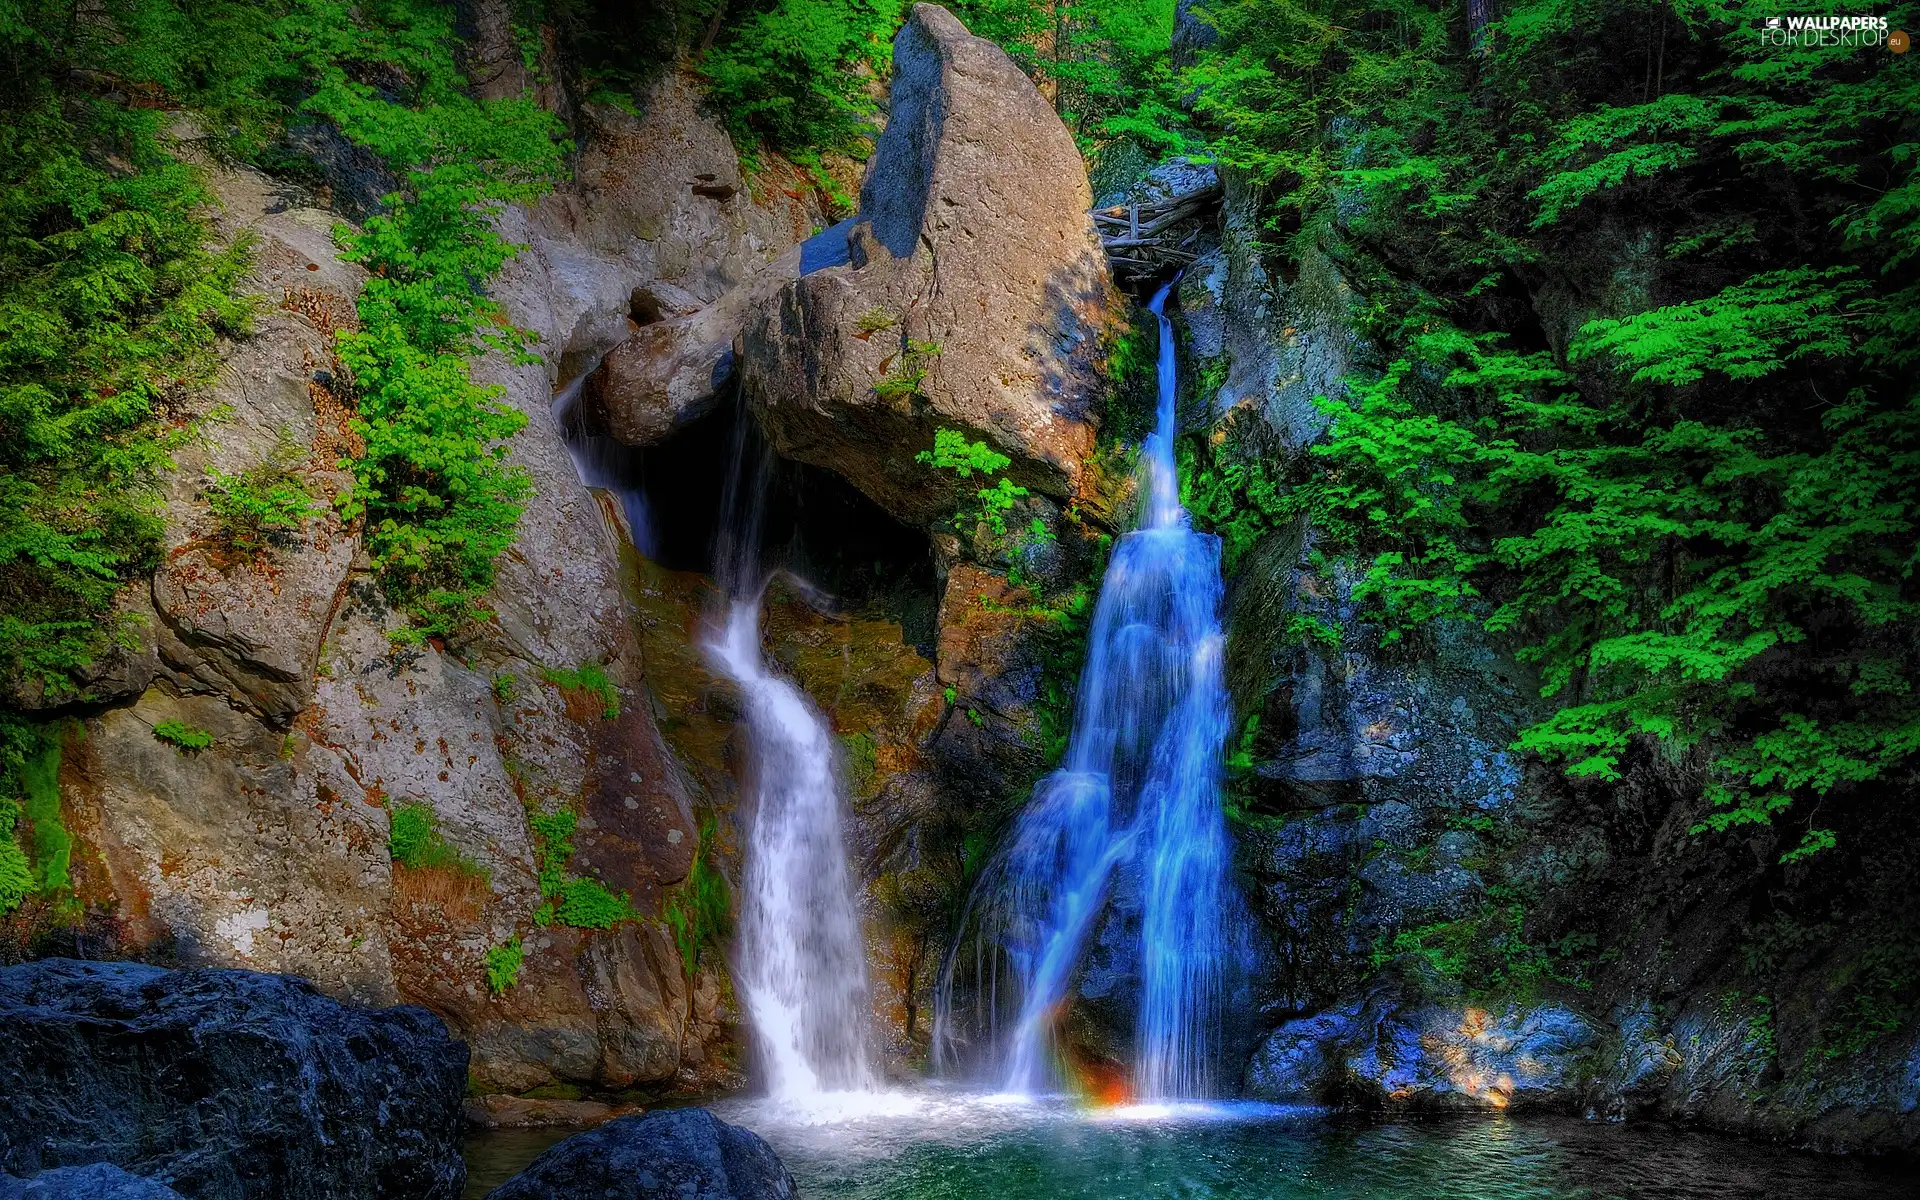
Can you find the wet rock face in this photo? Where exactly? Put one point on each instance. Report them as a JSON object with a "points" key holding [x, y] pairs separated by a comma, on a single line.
{"points": [[976, 297], [1388, 1053], [226, 1084], [95, 1181], [671, 1155]]}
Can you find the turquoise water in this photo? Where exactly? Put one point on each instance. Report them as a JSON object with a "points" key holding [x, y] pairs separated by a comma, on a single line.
{"points": [[974, 1149], [933, 1147]]}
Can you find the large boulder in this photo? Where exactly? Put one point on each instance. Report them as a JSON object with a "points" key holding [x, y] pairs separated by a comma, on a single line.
{"points": [[675, 368], [976, 297], [95, 1181], [226, 1084], [683, 1154]]}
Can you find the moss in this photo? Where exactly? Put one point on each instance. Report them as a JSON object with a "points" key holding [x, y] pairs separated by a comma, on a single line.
{"points": [[700, 910], [183, 735], [858, 756], [414, 841], [590, 678]]}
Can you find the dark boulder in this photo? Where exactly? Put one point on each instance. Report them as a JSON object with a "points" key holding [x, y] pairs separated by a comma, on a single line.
{"points": [[226, 1084], [95, 1181], [681, 1154]]}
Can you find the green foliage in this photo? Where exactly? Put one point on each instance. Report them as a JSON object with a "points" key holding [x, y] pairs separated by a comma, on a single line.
{"points": [[183, 735], [117, 293], [414, 841], [904, 380], [39, 780], [876, 319], [1240, 759], [19, 741], [953, 452], [797, 72], [1104, 61], [251, 506], [503, 966], [572, 900], [1307, 629], [590, 678], [114, 298], [801, 75], [1489, 951], [30, 791], [584, 903], [1233, 491], [1695, 509], [434, 485], [700, 910], [1879, 994]]}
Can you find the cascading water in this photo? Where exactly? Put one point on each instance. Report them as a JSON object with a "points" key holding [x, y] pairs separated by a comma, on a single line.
{"points": [[1135, 805], [601, 462], [802, 966]]}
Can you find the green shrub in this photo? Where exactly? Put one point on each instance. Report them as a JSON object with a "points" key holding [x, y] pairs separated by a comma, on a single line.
{"points": [[590, 678], [30, 789], [503, 966], [1694, 510], [797, 72], [584, 903], [252, 505], [114, 298], [439, 497], [953, 452], [52, 844], [183, 735]]}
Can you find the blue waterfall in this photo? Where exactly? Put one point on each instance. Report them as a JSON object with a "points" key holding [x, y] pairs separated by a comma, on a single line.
{"points": [[1135, 808]]}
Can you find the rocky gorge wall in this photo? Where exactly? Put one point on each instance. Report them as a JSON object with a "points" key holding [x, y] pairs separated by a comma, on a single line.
{"points": [[269, 847]]}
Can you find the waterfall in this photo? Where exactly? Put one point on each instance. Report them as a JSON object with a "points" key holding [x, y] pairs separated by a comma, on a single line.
{"points": [[601, 462], [801, 965], [1134, 807]]}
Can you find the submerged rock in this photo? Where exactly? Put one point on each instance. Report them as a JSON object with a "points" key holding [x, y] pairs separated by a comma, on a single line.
{"points": [[684, 1154], [976, 297], [95, 1181], [226, 1084]]}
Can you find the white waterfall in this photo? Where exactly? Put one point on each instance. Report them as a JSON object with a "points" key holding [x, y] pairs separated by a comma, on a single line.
{"points": [[802, 964]]}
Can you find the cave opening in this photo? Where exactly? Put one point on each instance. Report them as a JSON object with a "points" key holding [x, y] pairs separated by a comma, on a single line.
{"points": [[815, 525]]}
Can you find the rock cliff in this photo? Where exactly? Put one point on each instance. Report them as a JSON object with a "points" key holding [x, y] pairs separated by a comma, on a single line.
{"points": [[269, 848]]}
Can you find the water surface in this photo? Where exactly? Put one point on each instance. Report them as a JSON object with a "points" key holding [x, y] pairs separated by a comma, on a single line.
{"points": [[931, 1147]]}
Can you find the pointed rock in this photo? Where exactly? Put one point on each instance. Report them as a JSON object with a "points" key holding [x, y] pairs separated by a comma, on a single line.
{"points": [[976, 298]]}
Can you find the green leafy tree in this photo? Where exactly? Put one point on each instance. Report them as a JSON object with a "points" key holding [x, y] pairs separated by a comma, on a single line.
{"points": [[1696, 509]]}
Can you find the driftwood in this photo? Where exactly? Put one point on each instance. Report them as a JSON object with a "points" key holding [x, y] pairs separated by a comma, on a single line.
{"points": [[1142, 239]]}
